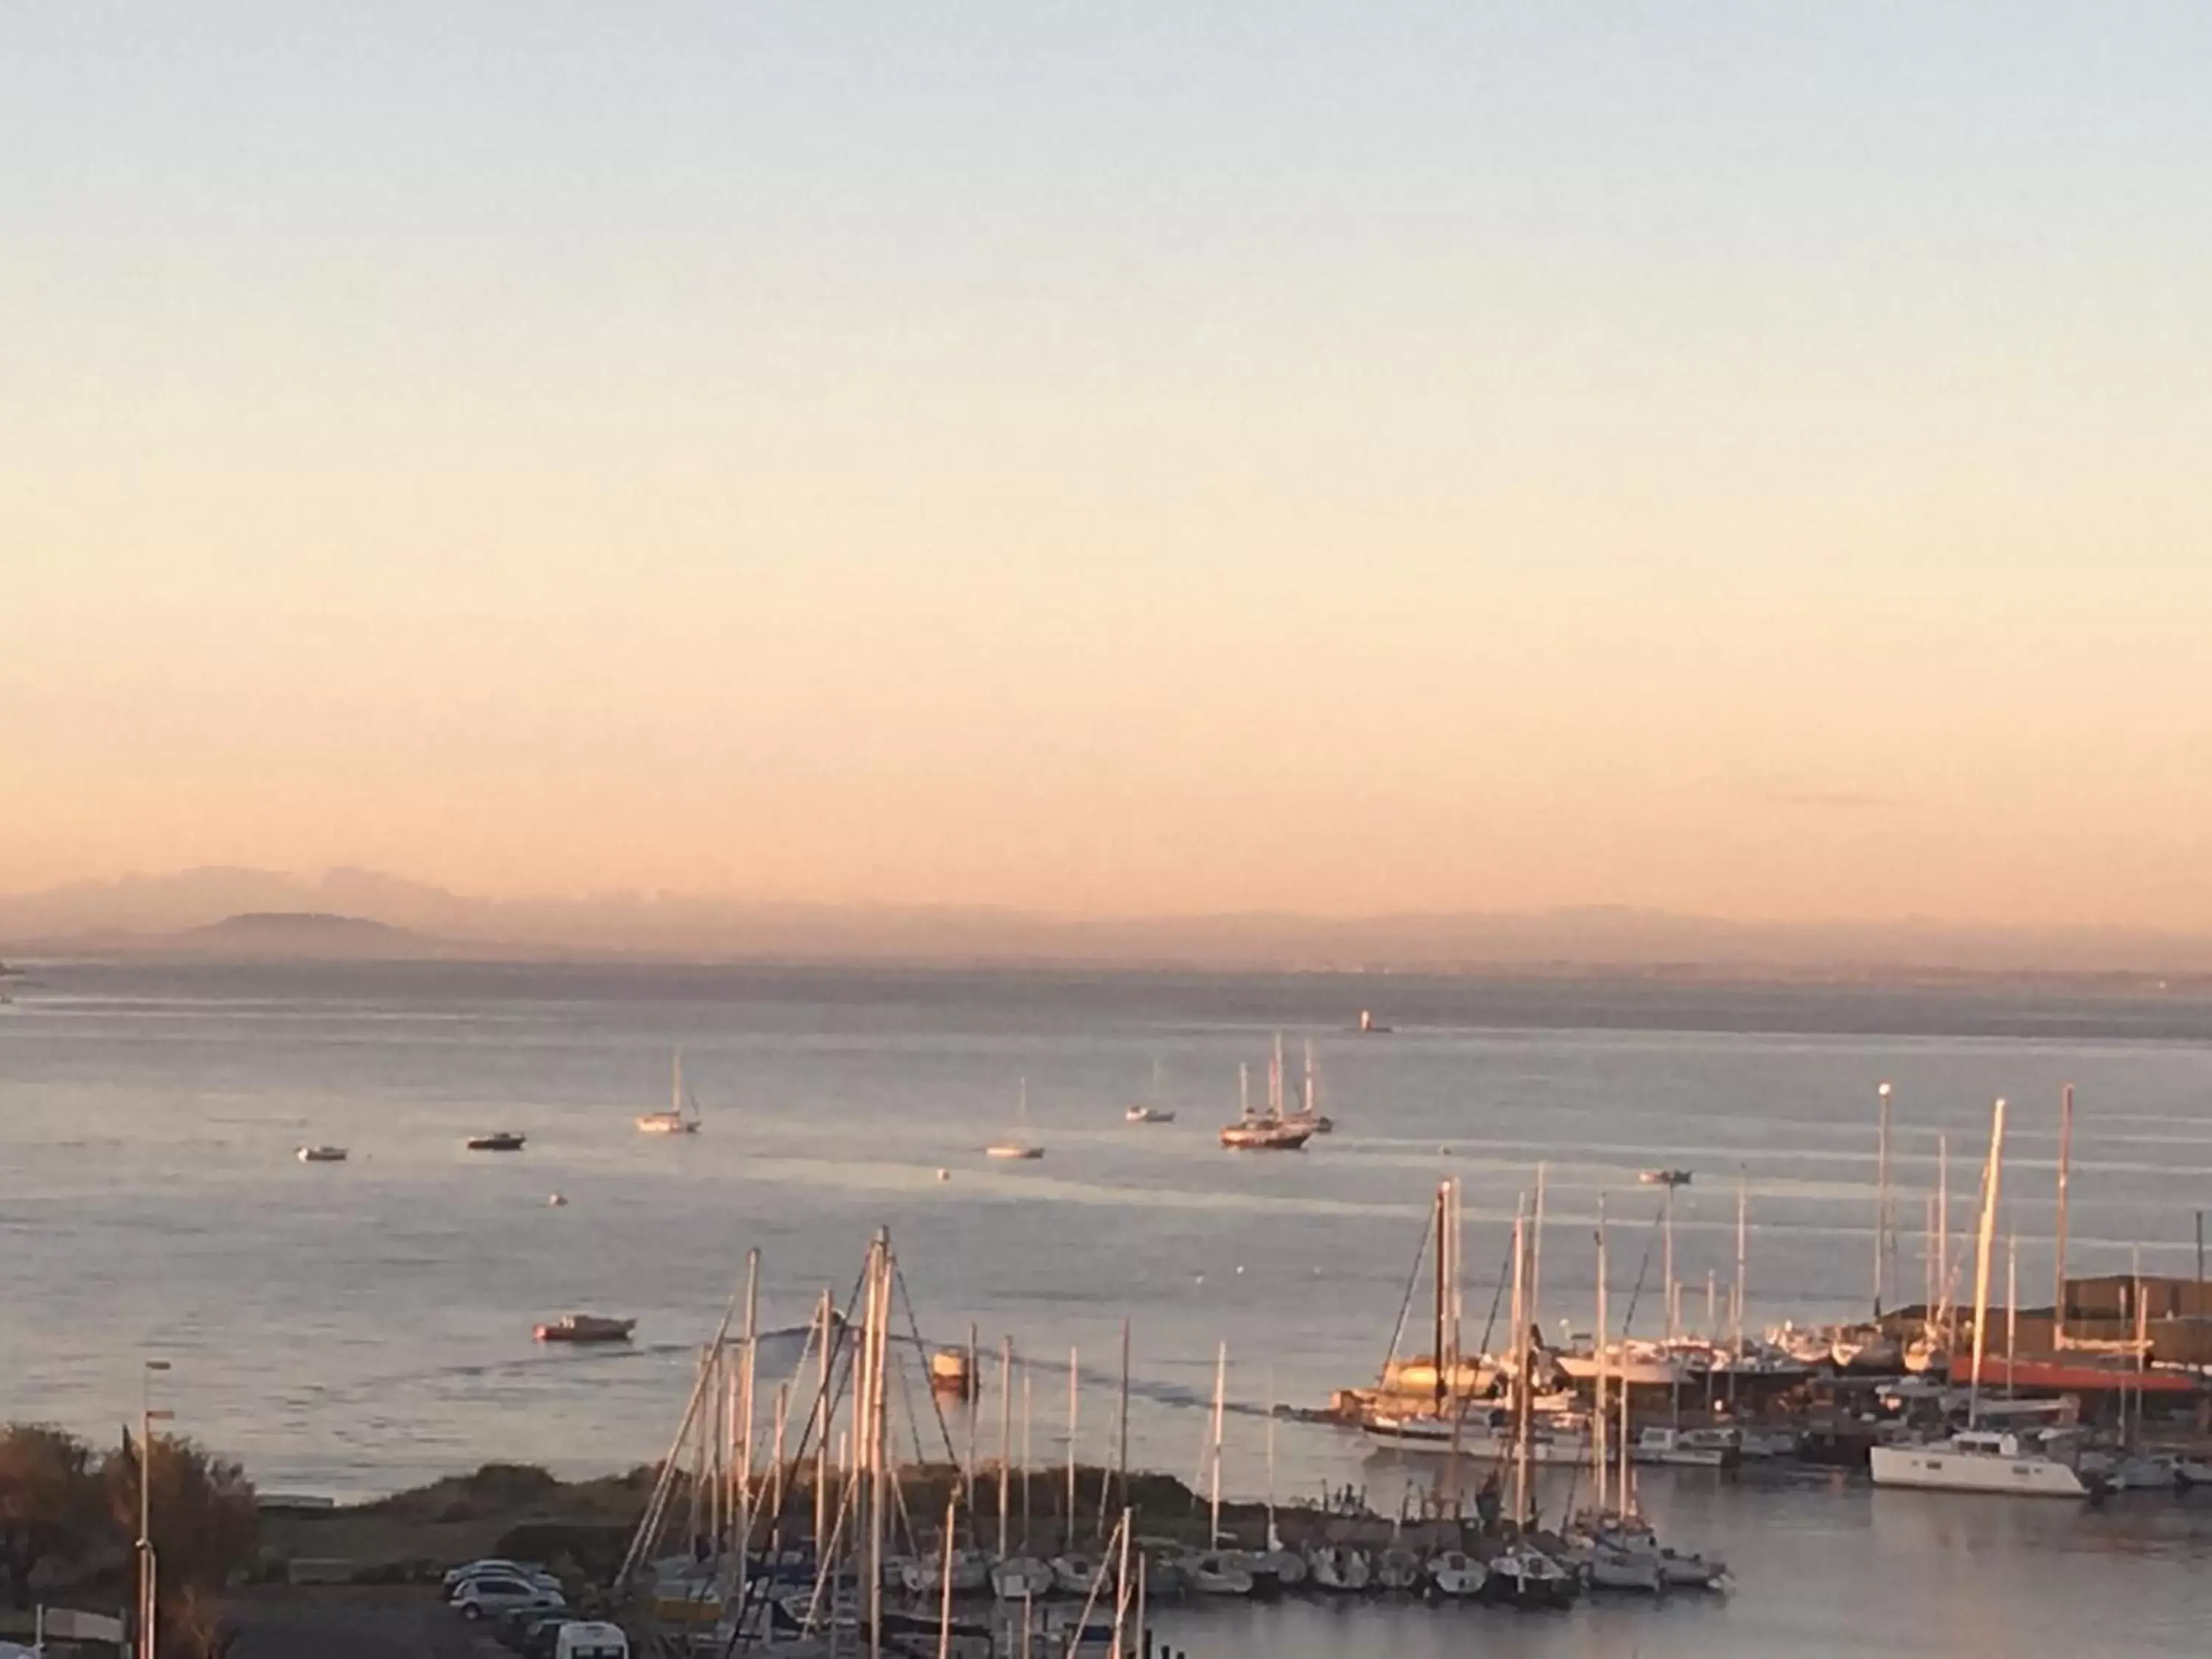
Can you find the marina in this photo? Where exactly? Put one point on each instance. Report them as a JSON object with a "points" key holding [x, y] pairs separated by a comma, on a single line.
{"points": [[1297, 1274]]}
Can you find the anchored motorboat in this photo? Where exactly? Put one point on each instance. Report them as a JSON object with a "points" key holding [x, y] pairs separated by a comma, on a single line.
{"points": [[585, 1328], [321, 1155], [500, 1140]]}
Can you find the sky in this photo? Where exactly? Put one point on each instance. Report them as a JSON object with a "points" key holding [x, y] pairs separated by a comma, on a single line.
{"points": [[1171, 456]]}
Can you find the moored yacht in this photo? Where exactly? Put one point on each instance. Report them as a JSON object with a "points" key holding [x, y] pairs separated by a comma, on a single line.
{"points": [[1268, 1132], [1017, 1145], [1978, 1460], [682, 1117]]}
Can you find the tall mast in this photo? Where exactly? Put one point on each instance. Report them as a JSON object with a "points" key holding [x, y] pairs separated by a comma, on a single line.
{"points": [[819, 1416], [1074, 1383], [676, 1084], [1121, 1433], [875, 1476], [1992, 1177], [1597, 1412], [1443, 1269], [1310, 1103], [1882, 1198], [2012, 1305], [1006, 1435], [1244, 1089], [1943, 1230], [746, 1382], [1214, 1477], [1624, 1487], [1523, 1423], [1743, 1206], [1536, 1254], [1275, 1080], [2065, 1159], [1271, 1542], [1666, 1252]]}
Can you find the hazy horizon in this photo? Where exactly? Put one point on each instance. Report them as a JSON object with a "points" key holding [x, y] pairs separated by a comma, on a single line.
{"points": [[229, 912], [1414, 459]]}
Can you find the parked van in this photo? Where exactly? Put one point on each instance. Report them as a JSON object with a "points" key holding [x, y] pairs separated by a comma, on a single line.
{"points": [[586, 1638]]}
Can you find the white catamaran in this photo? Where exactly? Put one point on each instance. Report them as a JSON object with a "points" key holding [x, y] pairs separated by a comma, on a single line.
{"points": [[1976, 1459]]}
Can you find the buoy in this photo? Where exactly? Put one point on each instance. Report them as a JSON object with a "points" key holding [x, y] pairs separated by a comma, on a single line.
{"points": [[943, 1175], [1240, 1266], [1198, 1278], [554, 1201]]}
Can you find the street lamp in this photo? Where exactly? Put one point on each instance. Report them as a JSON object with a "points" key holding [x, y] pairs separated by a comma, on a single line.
{"points": [[147, 1417]]}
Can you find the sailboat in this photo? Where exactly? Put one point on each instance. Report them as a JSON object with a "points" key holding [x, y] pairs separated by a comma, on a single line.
{"points": [[1976, 1459], [1018, 1144], [1268, 1133], [682, 1117], [1150, 1110], [1308, 1114]]}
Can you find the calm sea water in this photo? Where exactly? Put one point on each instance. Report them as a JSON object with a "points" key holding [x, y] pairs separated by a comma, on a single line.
{"points": [[353, 1328]]}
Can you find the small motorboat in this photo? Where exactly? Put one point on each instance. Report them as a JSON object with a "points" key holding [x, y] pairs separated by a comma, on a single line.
{"points": [[322, 1154], [1523, 1577], [1664, 1177], [1140, 1113], [500, 1140], [1399, 1568], [1340, 1567], [1456, 1576], [949, 1375], [1217, 1573], [1074, 1575], [585, 1328], [1022, 1578]]}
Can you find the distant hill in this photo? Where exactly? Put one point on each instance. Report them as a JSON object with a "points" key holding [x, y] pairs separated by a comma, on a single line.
{"points": [[344, 914], [306, 935]]}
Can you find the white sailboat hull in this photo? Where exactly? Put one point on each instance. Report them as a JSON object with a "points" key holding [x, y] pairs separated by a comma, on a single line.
{"points": [[1939, 1468], [1636, 1373], [1428, 1436]]}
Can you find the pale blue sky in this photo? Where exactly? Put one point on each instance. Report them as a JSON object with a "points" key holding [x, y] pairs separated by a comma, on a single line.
{"points": [[1154, 455]]}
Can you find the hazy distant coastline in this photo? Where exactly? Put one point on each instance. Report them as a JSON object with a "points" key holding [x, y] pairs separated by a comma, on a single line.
{"points": [[229, 912]]}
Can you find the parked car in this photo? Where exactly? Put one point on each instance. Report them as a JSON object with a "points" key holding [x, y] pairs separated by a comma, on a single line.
{"points": [[494, 1594], [490, 1564]]}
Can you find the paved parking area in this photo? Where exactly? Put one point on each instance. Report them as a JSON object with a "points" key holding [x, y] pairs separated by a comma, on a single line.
{"points": [[283, 1623]]}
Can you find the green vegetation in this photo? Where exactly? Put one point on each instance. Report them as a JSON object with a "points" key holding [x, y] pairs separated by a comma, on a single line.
{"points": [[68, 1517]]}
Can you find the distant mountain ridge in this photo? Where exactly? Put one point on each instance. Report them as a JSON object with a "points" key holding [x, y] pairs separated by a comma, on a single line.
{"points": [[301, 933], [348, 912]]}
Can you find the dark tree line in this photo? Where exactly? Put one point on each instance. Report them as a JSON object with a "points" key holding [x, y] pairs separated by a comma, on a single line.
{"points": [[63, 1501]]}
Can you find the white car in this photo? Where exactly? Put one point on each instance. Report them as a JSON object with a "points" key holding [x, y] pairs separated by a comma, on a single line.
{"points": [[491, 1564], [493, 1593]]}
